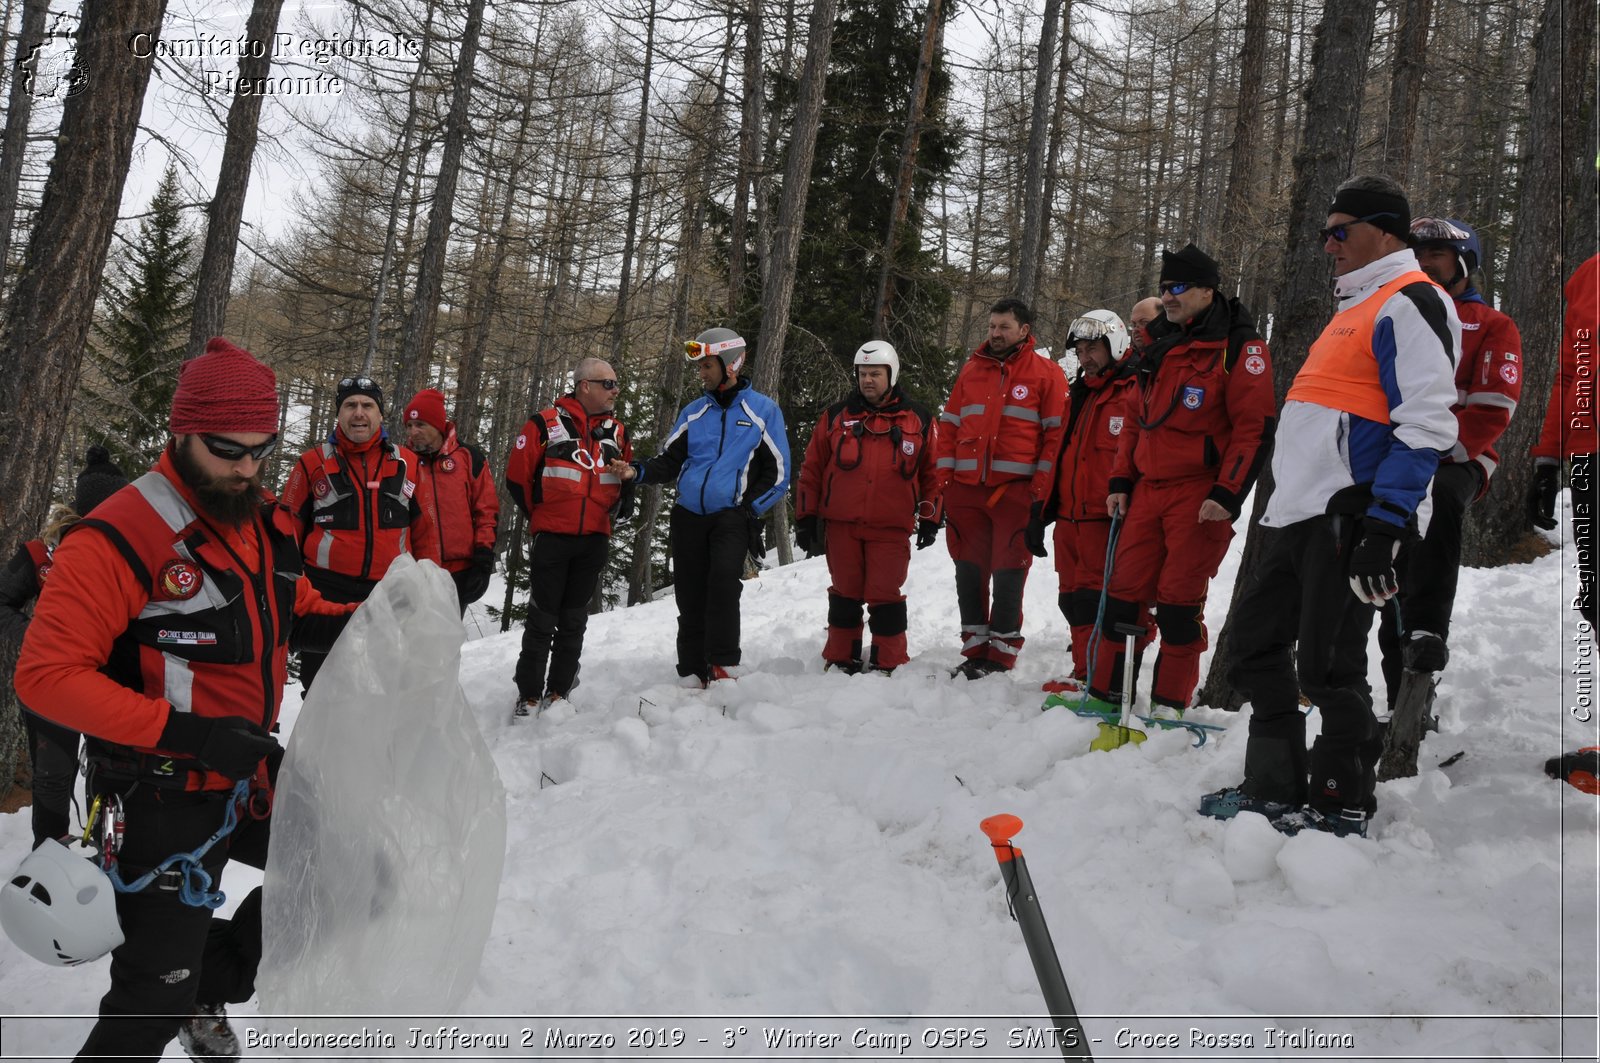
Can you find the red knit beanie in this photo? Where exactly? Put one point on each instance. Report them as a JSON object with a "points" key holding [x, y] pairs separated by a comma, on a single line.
{"points": [[224, 390], [428, 407]]}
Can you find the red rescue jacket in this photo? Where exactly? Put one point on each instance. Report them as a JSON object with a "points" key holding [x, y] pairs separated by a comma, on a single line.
{"points": [[1488, 381], [871, 465], [356, 508], [1102, 407], [456, 490], [1204, 408], [1569, 419], [1003, 421], [557, 472], [152, 609]]}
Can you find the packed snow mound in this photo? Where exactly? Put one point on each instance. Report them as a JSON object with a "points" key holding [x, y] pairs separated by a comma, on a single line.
{"points": [[388, 833]]}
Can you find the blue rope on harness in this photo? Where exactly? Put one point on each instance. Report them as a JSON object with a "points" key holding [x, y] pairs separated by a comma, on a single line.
{"points": [[194, 885], [1100, 610]]}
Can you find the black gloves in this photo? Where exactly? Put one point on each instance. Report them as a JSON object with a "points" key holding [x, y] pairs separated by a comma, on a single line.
{"points": [[1372, 575], [757, 529], [1033, 535], [473, 581], [230, 745], [805, 534], [1542, 497], [927, 532]]}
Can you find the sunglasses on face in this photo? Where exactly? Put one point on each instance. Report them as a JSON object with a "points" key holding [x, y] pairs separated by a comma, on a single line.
{"points": [[1176, 287], [362, 382], [230, 450], [609, 385], [1341, 232]]}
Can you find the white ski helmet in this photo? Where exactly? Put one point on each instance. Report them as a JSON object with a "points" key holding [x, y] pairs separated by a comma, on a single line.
{"points": [[1098, 325], [60, 908], [725, 343], [880, 352]]}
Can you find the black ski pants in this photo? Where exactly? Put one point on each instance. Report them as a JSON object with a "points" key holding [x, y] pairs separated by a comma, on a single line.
{"points": [[173, 954], [708, 552], [335, 588], [54, 750], [1428, 570], [563, 571], [1299, 627]]}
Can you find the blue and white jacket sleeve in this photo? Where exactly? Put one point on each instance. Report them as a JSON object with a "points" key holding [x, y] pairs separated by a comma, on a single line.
{"points": [[1417, 343], [768, 471]]}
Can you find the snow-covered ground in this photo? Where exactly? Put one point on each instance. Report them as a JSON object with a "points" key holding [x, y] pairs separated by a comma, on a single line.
{"points": [[796, 849]]}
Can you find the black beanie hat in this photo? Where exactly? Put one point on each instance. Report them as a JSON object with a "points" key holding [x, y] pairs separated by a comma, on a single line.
{"points": [[1383, 210], [99, 480], [358, 385], [1191, 265]]}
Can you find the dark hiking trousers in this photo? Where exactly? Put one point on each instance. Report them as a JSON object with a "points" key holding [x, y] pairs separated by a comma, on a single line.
{"points": [[1428, 570], [708, 552], [54, 750], [1299, 618], [563, 571], [174, 954]]}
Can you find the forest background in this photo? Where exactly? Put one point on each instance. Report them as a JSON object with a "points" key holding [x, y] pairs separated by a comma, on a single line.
{"points": [[486, 194]]}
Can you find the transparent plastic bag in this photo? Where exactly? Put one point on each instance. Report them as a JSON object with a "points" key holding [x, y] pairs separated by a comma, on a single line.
{"points": [[389, 828]]}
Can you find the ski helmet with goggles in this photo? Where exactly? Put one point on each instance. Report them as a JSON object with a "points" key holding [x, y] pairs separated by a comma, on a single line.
{"points": [[1455, 235], [1101, 325], [725, 343], [60, 908], [880, 352]]}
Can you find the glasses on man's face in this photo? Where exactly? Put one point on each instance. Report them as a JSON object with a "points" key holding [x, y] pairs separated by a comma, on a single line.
{"points": [[362, 382], [609, 385], [232, 450], [1176, 287], [1341, 232]]}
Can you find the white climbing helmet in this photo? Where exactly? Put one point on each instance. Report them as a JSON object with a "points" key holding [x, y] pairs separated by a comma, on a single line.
{"points": [[60, 908], [880, 352], [1101, 324]]}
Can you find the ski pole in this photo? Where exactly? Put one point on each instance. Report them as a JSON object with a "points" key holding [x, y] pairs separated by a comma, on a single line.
{"points": [[1024, 904], [1100, 608]]}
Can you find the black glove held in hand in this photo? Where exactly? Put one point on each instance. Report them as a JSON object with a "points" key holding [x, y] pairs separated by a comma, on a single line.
{"points": [[1542, 497], [473, 582], [805, 535], [758, 538], [927, 532], [230, 745], [1033, 534], [1372, 575]]}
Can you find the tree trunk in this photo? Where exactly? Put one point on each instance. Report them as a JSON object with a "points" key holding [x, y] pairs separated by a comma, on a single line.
{"points": [[14, 141], [1405, 86], [1038, 141], [417, 341], [1560, 143], [749, 146], [1326, 155], [47, 322], [1242, 163], [226, 210], [900, 206], [1058, 132], [619, 333], [778, 291]]}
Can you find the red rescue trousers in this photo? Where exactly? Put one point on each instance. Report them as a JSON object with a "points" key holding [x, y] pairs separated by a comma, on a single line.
{"points": [[868, 566], [1080, 557], [985, 526], [1167, 555]]}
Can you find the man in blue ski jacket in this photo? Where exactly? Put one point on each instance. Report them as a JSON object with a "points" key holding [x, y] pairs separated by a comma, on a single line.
{"points": [[730, 454]]}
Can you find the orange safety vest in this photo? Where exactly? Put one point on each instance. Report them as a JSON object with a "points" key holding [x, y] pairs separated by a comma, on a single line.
{"points": [[1340, 371]]}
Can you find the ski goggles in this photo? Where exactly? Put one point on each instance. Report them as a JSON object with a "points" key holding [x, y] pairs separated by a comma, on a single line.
{"points": [[694, 350], [232, 450], [1341, 232], [1427, 230], [1089, 328]]}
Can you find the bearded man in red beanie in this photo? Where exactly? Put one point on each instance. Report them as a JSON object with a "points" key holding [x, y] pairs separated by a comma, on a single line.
{"points": [[353, 499], [163, 635], [455, 489]]}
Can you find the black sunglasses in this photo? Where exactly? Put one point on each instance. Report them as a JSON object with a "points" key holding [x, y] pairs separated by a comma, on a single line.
{"points": [[1176, 287], [609, 385], [1341, 232], [230, 450]]}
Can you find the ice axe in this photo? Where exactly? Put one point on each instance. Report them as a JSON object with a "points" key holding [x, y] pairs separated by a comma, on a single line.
{"points": [[1024, 905], [1114, 735]]}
